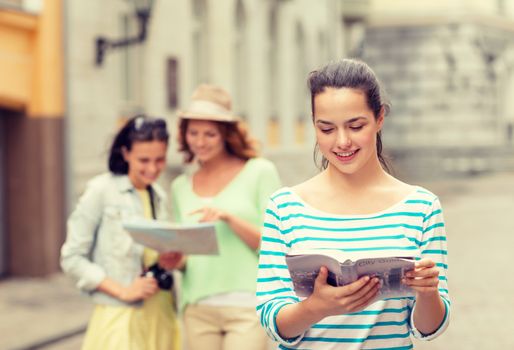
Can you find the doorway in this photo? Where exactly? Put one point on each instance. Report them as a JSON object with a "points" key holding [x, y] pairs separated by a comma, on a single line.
{"points": [[3, 216]]}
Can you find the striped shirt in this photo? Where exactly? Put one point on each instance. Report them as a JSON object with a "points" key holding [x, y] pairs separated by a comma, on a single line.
{"points": [[415, 225]]}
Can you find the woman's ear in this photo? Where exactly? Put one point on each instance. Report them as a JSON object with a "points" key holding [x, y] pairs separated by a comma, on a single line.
{"points": [[380, 118], [125, 153]]}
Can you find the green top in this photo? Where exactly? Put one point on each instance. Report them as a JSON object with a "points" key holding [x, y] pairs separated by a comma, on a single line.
{"points": [[235, 268]]}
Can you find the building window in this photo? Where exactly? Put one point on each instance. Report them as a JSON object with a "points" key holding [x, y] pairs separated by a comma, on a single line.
{"points": [[172, 82]]}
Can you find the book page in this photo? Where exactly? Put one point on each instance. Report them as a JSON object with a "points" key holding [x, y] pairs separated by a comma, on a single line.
{"points": [[305, 268], [338, 255], [345, 268], [390, 272], [347, 256], [164, 236]]}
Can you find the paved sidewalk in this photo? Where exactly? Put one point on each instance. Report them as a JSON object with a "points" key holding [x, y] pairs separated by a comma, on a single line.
{"points": [[39, 311], [479, 216]]}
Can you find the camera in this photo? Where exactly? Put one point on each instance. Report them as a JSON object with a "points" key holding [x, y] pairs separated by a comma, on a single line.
{"points": [[164, 278]]}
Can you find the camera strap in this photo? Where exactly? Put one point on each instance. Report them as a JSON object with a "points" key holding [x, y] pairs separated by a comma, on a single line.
{"points": [[164, 278], [152, 201]]}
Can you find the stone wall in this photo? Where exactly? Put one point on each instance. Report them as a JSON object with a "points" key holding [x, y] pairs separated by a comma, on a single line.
{"points": [[446, 85]]}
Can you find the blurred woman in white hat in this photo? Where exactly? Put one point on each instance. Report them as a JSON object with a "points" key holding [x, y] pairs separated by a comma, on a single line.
{"points": [[231, 186]]}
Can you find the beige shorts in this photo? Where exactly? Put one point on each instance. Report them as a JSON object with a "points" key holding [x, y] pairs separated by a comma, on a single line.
{"points": [[223, 328]]}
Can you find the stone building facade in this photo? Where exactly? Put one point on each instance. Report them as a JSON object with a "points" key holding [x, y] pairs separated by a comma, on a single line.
{"points": [[449, 73], [448, 67], [260, 51], [60, 106]]}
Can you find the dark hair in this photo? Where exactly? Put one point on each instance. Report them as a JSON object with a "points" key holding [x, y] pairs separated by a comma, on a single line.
{"points": [[353, 74], [137, 129], [237, 140]]}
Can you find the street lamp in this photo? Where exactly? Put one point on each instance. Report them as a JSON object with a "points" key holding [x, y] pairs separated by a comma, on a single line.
{"points": [[143, 10]]}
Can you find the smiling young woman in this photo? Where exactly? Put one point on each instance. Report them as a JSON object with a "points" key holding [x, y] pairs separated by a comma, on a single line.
{"points": [[146, 161], [353, 204], [230, 185], [133, 311], [346, 129]]}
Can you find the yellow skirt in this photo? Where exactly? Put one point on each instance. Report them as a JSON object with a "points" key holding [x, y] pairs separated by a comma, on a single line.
{"points": [[153, 326]]}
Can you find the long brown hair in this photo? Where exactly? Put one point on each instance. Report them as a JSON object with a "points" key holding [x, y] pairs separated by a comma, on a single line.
{"points": [[237, 140]]}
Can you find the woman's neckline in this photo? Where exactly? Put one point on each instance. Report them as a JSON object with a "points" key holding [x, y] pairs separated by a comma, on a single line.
{"points": [[390, 208], [224, 188]]}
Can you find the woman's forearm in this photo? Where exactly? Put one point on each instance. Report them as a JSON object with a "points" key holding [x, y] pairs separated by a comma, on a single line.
{"points": [[248, 232], [111, 288], [294, 319], [429, 312]]}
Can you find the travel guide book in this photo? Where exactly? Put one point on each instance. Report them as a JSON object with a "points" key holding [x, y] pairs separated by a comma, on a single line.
{"points": [[344, 268], [165, 236]]}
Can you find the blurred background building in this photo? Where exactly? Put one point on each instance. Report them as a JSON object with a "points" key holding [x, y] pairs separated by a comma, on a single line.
{"points": [[72, 71], [260, 51], [32, 133], [95, 61], [449, 69]]}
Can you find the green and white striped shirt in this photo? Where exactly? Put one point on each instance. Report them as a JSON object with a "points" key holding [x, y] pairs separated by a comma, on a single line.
{"points": [[414, 225]]}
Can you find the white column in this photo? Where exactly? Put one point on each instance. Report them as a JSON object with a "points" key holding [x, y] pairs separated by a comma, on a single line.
{"points": [[286, 79], [257, 74], [221, 50]]}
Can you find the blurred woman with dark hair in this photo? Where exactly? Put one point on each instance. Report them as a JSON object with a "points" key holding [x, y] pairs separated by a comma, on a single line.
{"points": [[231, 186], [132, 310]]}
